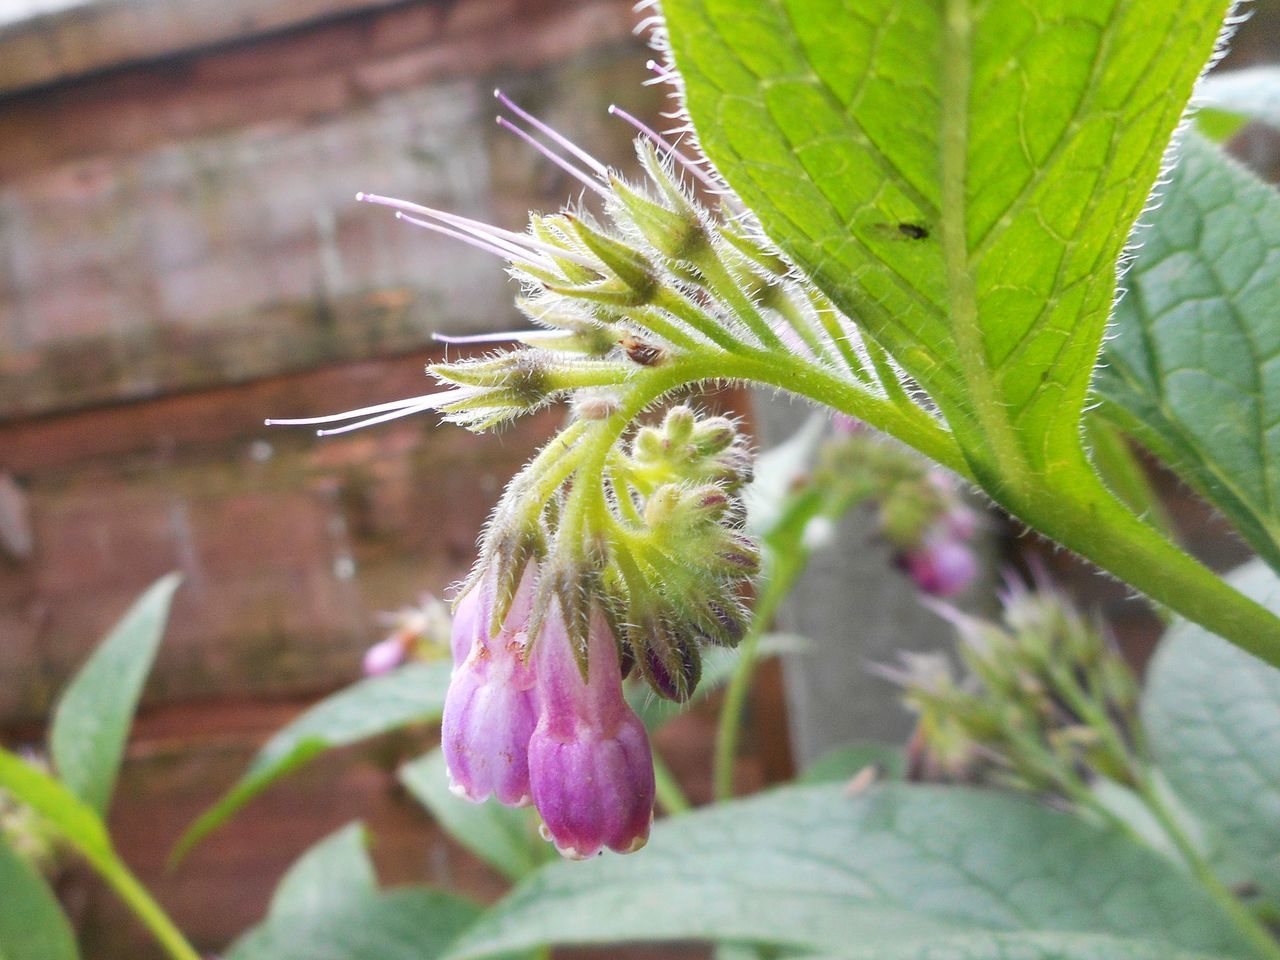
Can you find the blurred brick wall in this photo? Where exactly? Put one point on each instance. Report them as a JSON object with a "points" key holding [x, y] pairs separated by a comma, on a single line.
{"points": [[172, 229], [181, 256]]}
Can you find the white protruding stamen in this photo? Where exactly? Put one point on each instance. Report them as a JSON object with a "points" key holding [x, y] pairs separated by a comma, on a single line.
{"points": [[496, 246], [485, 231], [360, 412], [663, 143], [361, 424], [378, 413], [598, 168], [559, 161], [503, 337]]}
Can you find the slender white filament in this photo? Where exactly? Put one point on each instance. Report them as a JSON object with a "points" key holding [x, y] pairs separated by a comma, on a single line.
{"points": [[596, 166], [702, 176], [550, 154]]}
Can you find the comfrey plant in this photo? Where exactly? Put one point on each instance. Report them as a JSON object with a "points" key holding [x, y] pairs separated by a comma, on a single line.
{"points": [[955, 310], [916, 217]]}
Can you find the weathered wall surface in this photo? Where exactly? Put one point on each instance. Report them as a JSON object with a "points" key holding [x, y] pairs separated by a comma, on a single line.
{"points": [[171, 229]]}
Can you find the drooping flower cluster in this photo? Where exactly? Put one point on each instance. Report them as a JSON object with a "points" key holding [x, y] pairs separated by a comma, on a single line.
{"points": [[526, 725], [608, 555], [544, 635]]}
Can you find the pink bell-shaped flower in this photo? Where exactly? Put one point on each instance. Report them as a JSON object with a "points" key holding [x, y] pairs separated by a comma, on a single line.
{"points": [[490, 709], [590, 764]]}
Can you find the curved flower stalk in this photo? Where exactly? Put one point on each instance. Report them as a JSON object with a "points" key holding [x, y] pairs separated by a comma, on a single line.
{"points": [[613, 530]]}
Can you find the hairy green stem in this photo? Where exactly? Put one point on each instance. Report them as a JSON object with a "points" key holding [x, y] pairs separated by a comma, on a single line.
{"points": [[1085, 517], [1070, 505], [1249, 926]]}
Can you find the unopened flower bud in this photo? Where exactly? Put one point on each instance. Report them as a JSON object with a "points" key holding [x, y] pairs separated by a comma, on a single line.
{"points": [[942, 566], [713, 435], [667, 655], [384, 656], [675, 233], [627, 265], [590, 764], [678, 426]]}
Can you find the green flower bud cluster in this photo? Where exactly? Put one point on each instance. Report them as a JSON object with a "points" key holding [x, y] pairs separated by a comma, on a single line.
{"points": [[662, 555], [912, 498], [1047, 704], [634, 293]]}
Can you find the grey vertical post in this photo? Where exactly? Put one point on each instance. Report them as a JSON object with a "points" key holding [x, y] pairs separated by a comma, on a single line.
{"points": [[853, 609]]}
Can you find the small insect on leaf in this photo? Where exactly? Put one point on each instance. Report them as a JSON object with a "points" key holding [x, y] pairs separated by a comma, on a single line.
{"points": [[901, 230]]}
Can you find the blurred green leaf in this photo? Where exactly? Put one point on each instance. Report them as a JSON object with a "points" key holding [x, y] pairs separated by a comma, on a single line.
{"points": [[328, 907], [1016, 946], [70, 816], [505, 838], [410, 696], [813, 869], [1252, 93], [32, 924], [1193, 368], [92, 720], [843, 763], [1212, 715]]}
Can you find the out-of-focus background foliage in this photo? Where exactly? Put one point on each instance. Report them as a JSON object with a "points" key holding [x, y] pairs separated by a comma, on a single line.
{"points": [[181, 256]]}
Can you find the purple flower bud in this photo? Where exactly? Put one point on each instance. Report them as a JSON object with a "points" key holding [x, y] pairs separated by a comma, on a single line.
{"points": [[590, 765], [384, 656], [490, 709], [943, 566]]}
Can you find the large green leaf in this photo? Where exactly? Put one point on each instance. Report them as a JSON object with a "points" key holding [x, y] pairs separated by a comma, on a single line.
{"points": [[329, 907], [811, 867], [32, 924], [92, 719], [411, 695], [958, 177], [1212, 713], [505, 838], [1016, 946], [1193, 370]]}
